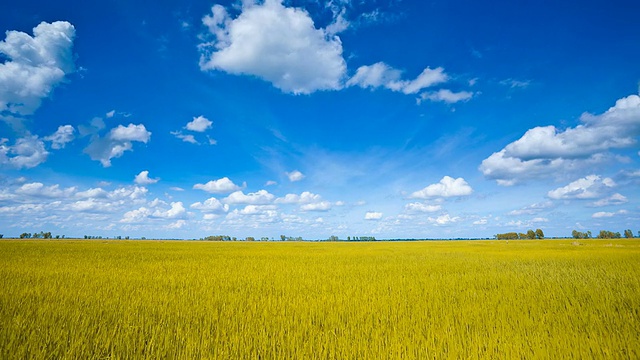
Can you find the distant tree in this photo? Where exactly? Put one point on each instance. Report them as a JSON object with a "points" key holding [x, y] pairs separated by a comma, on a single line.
{"points": [[283, 238], [126, 238], [531, 234], [264, 238], [539, 234], [250, 238], [25, 236], [1, 236], [348, 238], [605, 234], [628, 234], [57, 236], [333, 238]]}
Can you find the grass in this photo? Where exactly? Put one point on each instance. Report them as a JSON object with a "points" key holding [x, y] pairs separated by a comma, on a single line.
{"points": [[454, 299]]}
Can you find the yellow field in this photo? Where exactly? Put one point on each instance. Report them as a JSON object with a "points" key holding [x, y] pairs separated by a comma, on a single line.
{"points": [[466, 299]]}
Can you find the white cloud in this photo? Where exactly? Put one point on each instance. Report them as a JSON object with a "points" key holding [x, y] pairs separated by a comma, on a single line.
{"points": [[295, 176], [220, 186], [27, 152], [130, 132], [615, 199], [544, 150], [186, 138], [532, 209], [177, 210], [304, 198], [178, 224], [143, 178], [34, 66], [382, 75], [136, 215], [447, 96], [443, 219], [422, 207], [199, 124], [92, 193], [481, 222], [590, 187], [605, 214], [116, 142], [270, 183], [40, 190], [260, 197], [447, 187], [316, 206], [275, 43], [372, 215], [110, 114], [61, 137], [210, 205], [512, 83]]}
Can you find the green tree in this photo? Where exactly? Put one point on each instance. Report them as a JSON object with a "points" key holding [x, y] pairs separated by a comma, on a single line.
{"points": [[628, 234], [250, 238], [531, 234]]}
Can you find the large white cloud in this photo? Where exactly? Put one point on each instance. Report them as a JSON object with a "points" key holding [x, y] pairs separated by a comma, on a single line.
{"points": [[276, 43], [220, 186], [116, 142], [260, 197], [590, 187], [27, 152], [316, 206], [295, 175], [542, 151], [61, 137], [35, 65], [422, 207], [447, 187], [372, 215]]}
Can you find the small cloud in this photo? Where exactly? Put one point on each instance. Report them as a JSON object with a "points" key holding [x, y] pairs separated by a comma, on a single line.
{"points": [[270, 183], [186, 138], [512, 83], [143, 178], [175, 188], [199, 124], [111, 113], [220, 186], [61, 137], [447, 187], [295, 176], [372, 215]]}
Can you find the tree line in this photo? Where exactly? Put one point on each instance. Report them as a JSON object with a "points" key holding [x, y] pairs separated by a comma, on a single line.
{"points": [[529, 235], [604, 234]]}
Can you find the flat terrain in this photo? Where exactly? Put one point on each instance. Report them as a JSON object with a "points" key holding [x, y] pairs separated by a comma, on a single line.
{"points": [[445, 299]]}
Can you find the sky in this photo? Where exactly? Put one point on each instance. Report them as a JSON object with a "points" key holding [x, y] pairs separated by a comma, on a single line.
{"points": [[318, 118]]}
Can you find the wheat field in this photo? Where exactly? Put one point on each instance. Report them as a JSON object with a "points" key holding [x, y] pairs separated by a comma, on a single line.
{"points": [[378, 300]]}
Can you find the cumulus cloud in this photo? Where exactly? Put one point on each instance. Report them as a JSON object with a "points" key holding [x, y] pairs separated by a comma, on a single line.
{"points": [[210, 205], [220, 186], [304, 198], [34, 66], [447, 187], [443, 219], [544, 150], [295, 176], [27, 152], [177, 209], [382, 75], [40, 190], [61, 137], [199, 124], [590, 187], [276, 43], [143, 178], [260, 197], [316, 206], [372, 215], [116, 142]]}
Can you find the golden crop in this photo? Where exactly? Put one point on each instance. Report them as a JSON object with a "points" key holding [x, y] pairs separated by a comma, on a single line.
{"points": [[384, 300]]}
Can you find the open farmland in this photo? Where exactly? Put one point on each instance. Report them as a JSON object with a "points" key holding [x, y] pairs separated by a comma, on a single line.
{"points": [[455, 299]]}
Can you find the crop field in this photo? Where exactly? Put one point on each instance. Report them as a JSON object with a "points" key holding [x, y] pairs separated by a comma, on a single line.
{"points": [[378, 300]]}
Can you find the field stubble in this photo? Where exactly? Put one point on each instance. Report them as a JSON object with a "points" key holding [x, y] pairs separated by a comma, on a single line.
{"points": [[466, 299]]}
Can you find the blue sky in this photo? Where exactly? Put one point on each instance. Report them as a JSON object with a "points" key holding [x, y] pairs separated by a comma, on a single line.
{"points": [[393, 119]]}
